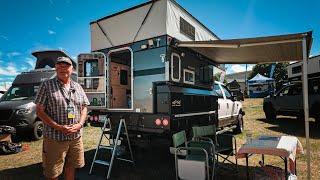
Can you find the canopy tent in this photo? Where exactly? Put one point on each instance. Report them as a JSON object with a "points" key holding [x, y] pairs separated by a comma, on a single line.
{"points": [[260, 86], [291, 47]]}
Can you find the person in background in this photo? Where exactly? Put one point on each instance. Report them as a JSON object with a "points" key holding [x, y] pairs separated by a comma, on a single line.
{"points": [[62, 105]]}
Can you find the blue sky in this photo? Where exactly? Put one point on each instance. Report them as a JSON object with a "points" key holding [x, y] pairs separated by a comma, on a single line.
{"points": [[27, 26]]}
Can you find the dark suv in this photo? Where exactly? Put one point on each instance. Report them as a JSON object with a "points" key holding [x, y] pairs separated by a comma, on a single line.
{"points": [[289, 101], [18, 110]]}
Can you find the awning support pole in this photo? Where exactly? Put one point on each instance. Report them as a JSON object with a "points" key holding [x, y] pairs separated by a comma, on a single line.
{"points": [[306, 102]]}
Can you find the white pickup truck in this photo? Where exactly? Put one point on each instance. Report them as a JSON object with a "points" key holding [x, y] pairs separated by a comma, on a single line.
{"points": [[230, 111]]}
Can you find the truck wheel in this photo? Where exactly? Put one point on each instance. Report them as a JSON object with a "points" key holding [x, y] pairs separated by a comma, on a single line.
{"points": [[37, 131], [240, 126], [270, 113]]}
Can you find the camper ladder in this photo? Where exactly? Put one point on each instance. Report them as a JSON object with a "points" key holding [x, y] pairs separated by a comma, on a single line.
{"points": [[112, 146]]}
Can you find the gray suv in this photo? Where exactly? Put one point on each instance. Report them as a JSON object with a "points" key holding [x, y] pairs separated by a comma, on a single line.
{"points": [[18, 110], [289, 101]]}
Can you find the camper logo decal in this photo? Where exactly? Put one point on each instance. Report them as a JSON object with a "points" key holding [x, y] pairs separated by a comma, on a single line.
{"points": [[176, 103]]}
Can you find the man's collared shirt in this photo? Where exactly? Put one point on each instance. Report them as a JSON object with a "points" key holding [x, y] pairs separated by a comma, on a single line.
{"points": [[54, 96]]}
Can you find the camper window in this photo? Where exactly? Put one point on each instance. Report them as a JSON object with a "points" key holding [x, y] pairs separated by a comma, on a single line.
{"points": [[91, 68], [187, 29], [123, 77], [175, 67], [188, 76]]}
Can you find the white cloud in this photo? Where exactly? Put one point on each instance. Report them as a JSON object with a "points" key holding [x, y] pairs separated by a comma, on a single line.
{"points": [[58, 18], [239, 68], [4, 37], [31, 62], [12, 54], [8, 71], [51, 32]]}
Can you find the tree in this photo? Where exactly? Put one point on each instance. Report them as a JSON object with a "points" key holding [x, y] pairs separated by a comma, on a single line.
{"points": [[280, 74]]}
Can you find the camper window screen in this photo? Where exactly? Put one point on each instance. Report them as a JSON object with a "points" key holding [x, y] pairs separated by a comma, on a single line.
{"points": [[187, 29]]}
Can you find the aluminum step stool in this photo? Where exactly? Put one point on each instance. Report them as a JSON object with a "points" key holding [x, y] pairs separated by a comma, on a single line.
{"points": [[113, 146]]}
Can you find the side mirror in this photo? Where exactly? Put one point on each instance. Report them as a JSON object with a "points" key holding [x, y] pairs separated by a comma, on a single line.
{"points": [[234, 98]]}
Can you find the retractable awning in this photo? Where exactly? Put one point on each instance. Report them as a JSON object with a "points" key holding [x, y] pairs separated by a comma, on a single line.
{"points": [[252, 50], [290, 47]]}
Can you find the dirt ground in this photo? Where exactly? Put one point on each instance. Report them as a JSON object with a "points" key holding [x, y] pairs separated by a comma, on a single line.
{"points": [[157, 163]]}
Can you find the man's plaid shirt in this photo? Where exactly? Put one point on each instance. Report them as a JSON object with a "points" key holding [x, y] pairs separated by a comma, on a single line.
{"points": [[50, 95]]}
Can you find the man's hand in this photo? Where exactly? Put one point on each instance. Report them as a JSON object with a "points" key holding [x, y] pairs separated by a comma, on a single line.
{"points": [[69, 129]]}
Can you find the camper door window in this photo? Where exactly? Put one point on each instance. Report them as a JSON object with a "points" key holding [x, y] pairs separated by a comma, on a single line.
{"points": [[91, 68]]}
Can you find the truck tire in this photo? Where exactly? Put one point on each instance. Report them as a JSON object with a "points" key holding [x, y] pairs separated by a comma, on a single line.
{"points": [[240, 127], [270, 112], [37, 131]]}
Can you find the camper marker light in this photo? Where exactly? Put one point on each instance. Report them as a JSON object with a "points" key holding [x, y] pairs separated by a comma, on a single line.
{"points": [[158, 122], [96, 118], [165, 122], [143, 46]]}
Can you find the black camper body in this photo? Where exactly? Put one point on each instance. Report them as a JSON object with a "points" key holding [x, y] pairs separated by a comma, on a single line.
{"points": [[142, 76]]}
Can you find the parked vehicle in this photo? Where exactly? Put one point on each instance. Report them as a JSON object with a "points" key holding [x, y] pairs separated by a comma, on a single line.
{"points": [[230, 110], [289, 101], [17, 108]]}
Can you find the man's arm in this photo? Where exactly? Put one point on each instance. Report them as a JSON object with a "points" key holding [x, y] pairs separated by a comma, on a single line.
{"points": [[47, 119]]}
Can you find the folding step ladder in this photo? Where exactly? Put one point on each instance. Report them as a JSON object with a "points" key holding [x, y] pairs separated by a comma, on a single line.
{"points": [[112, 146]]}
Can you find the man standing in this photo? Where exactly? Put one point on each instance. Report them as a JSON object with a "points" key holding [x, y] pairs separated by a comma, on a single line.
{"points": [[62, 106]]}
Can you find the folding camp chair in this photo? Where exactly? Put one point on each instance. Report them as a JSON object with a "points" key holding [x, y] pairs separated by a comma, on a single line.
{"points": [[197, 160], [225, 144]]}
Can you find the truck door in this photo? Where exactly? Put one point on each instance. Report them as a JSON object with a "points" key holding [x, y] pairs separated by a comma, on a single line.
{"points": [[229, 103], [289, 98], [92, 78], [222, 105]]}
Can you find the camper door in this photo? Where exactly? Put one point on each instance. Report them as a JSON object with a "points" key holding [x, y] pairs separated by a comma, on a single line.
{"points": [[92, 78], [120, 79]]}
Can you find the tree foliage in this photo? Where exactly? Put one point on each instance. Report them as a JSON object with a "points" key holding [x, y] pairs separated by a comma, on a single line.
{"points": [[280, 74]]}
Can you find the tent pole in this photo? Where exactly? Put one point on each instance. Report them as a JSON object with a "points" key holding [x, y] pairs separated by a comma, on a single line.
{"points": [[306, 102]]}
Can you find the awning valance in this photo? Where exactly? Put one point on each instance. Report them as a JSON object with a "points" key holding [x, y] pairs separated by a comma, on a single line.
{"points": [[252, 50]]}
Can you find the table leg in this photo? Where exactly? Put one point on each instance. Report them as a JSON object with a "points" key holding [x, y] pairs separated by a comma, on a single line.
{"points": [[263, 158], [286, 167], [295, 167], [247, 166]]}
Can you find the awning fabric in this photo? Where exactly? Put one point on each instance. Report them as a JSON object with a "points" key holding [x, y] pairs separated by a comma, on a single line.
{"points": [[252, 50]]}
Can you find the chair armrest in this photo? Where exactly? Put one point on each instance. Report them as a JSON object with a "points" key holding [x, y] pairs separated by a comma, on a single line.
{"points": [[203, 139]]}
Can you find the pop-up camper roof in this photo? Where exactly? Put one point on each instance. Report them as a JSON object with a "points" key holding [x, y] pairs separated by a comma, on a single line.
{"points": [[151, 19], [49, 57]]}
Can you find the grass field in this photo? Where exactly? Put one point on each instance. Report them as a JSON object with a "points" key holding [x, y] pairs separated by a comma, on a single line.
{"points": [[27, 164]]}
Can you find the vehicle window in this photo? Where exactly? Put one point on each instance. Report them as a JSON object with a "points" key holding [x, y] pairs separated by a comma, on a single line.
{"points": [[218, 90], [20, 93], [226, 92], [284, 91], [295, 90], [314, 86]]}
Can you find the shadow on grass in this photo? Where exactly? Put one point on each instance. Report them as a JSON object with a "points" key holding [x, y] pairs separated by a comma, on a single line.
{"points": [[293, 126], [153, 163]]}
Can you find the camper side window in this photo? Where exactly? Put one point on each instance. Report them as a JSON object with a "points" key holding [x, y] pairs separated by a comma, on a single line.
{"points": [[175, 67], [188, 76]]}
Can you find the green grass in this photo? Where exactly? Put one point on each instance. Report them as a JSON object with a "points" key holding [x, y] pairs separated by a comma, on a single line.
{"points": [[254, 121]]}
